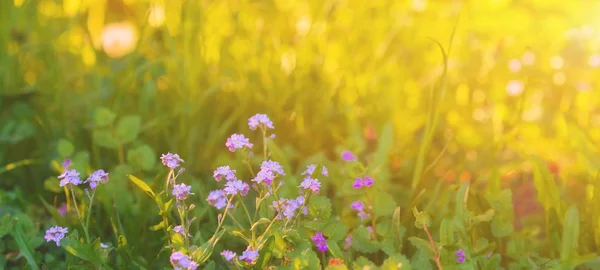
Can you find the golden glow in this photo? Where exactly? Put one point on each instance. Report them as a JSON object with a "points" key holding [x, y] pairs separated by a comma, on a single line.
{"points": [[119, 39]]}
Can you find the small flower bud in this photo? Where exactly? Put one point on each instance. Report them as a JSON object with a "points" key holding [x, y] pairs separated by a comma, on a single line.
{"points": [[192, 206]]}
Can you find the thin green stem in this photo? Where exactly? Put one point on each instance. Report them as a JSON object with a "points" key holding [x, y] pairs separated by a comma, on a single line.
{"points": [[87, 236], [89, 212], [183, 215], [264, 135]]}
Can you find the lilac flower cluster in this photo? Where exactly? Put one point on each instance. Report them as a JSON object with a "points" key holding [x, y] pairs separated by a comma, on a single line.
{"points": [[171, 160], [181, 261], [320, 242], [179, 229], [97, 177], [236, 187], [461, 256], [360, 207], [286, 208], [310, 183], [218, 199], [71, 178], [181, 191], [224, 172], [310, 169], [260, 120], [269, 170], [238, 141], [55, 234], [249, 256], [228, 255], [360, 182]]}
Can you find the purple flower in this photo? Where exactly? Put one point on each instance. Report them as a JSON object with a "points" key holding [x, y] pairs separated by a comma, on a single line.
{"points": [[310, 169], [179, 229], [358, 206], [235, 187], [237, 141], [181, 191], [461, 256], [348, 242], [313, 184], [104, 246], [217, 198], [228, 255], [348, 156], [363, 215], [324, 171], [171, 160], [55, 234], [62, 210], [287, 207], [181, 261], [266, 176], [272, 166], [69, 177], [249, 256], [260, 119], [224, 172], [360, 182], [67, 163], [97, 177], [490, 255], [320, 242], [268, 171]]}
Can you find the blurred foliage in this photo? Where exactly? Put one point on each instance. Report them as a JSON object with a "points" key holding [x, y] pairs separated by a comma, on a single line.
{"points": [[113, 83]]}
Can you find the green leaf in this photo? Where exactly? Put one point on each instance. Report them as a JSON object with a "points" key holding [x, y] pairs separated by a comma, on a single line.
{"points": [[335, 230], [319, 207], [7, 223], [142, 185], [460, 215], [65, 148], [383, 204], [105, 139], [421, 219], [307, 259], [25, 249], [202, 253], [142, 157], [396, 262], [422, 245], [81, 250], [161, 225], [570, 236], [52, 184], [384, 145], [260, 221], [128, 128], [266, 254], [362, 240], [486, 217], [334, 249], [446, 232], [502, 224], [104, 117]]}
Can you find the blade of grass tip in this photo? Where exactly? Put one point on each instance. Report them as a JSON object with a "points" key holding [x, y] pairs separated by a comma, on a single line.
{"points": [[13, 165], [434, 113]]}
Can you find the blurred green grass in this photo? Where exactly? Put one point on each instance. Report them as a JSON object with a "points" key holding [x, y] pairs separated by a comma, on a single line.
{"points": [[332, 75]]}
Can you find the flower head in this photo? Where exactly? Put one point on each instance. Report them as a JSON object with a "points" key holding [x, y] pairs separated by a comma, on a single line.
{"points": [[224, 172], [238, 141], [235, 187], [228, 255], [461, 256], [217, 198], [97, 177], [67, 163], [62, 210], [348, 156], [269, 169], [260, 120], [69, 177], [171, 160], [181, 191], [358, 206], [105, 246], [55, 234], [250, 256], [286, 208], [179, 229], [320, 242], [360, 182], [310, 183], [181, 261], [324, 171]]}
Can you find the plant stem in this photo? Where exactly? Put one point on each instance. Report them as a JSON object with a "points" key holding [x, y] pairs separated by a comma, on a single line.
{"points": [[89, 212], [264, 135], [436, 252], [87, 236]]}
